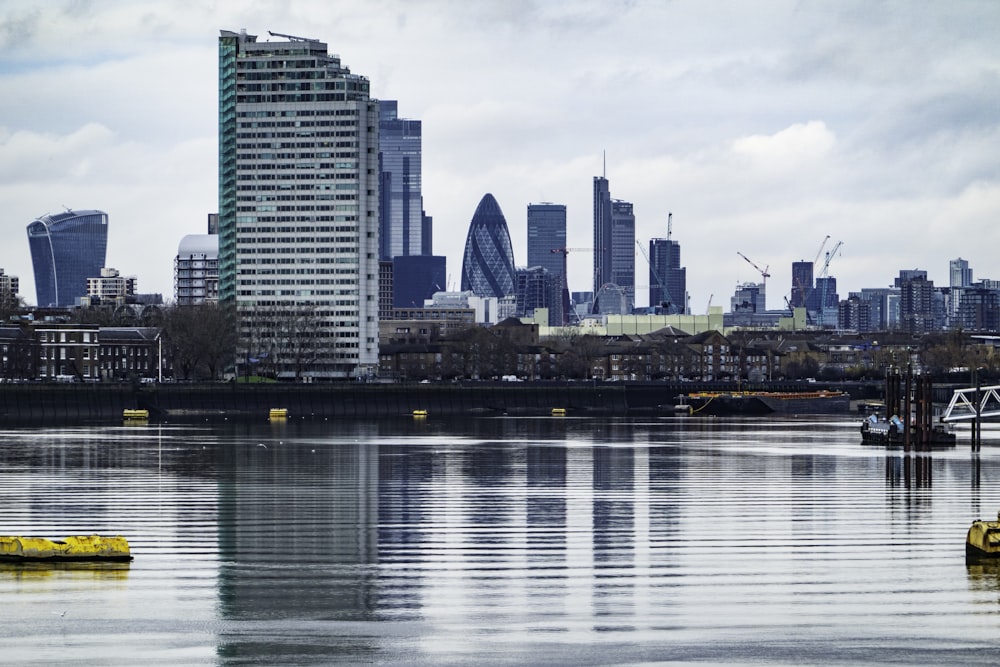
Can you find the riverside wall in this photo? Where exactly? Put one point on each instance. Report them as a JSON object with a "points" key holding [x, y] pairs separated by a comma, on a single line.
{"points": [[40, 402]]}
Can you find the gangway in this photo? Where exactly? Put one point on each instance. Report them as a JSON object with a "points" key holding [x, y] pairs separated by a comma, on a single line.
{"points": [[962, 406]]}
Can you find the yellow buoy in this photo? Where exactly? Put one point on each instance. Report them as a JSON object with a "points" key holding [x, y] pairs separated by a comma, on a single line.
{"points": [[75, 547], [279, 413], [558, 412], [135, 414], [419, 413]]}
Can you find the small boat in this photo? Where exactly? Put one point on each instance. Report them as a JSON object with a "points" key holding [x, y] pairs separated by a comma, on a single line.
{"points": [[983, 541], [73, 548], [875, 431]]}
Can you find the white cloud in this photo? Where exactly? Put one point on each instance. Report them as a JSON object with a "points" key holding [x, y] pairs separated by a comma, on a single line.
{"points": [[790, 148]]}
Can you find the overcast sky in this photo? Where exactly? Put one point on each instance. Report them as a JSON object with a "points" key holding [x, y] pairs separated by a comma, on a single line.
{"points": [[762, 126]]}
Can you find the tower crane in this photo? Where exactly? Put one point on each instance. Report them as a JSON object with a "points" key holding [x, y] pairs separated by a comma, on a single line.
{"points": [[820, 251], [652, 270], [565, 279], [823, 274], [829, 256], [764, 275]]}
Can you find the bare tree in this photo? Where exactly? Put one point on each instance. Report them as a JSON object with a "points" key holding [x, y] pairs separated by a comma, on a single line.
{"points": [[200, 339]]}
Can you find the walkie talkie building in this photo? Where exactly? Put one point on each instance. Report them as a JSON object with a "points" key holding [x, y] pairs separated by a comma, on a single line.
{"points": [[66, 249]]}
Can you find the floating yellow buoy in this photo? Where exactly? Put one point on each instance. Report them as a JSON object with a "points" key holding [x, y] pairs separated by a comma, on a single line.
{"points": [[76, 547], [558, 412], [279, 413], [419, 413], [983, 540], [135, 414]]}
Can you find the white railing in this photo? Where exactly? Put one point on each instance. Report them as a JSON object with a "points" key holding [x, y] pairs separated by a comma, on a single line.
{"points": [[963, 404]]}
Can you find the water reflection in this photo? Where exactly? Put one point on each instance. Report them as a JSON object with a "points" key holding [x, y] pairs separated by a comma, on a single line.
{"points": [[514, 540]]}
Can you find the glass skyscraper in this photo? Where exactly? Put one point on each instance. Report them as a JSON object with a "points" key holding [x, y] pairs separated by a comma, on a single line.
{"points": [[488, 262], [667, 278], [623, 250], [66, 250], [602, 233], [298, 207], [547, 249], [403, 228], [546, 232]]}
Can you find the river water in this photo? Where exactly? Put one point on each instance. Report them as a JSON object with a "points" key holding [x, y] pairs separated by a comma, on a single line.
{"points": [[499, 541]]}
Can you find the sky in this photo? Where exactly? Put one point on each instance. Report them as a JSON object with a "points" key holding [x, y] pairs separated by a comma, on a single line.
{"points": [[763, 127]]}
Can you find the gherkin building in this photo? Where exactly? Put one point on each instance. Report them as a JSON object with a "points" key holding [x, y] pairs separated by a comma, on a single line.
{"points": [[488, 263]]}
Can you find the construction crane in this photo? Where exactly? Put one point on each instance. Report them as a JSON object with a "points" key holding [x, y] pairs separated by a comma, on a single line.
{"points": [[652, 270], [565, 279], [820, 251], [823, 274], [709, 306], [764, 275], [829, 256]]}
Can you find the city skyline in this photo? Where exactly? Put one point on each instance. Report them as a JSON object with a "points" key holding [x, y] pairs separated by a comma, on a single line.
{"points": [[805, 122]]}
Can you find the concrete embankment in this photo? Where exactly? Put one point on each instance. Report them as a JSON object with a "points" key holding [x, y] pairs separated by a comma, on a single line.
{"points": [[36, 402]]}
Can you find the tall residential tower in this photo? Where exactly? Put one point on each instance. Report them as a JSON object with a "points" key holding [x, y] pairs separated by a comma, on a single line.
{"points": [[298, 207]]}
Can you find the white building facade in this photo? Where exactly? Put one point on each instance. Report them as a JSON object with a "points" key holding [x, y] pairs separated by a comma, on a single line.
{"points": [[196, 270], [298, 206]]}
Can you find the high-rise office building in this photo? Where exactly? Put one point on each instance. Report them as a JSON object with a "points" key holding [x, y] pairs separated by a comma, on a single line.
{"points": [[547, 233], [614, 263], [602, 233], [547, 249], [537, 288], [916, 301], [196, 270], [667, 278], [488, 262], [66, 249], [298, 206], [623, 250], [960, 275], [802, 284], [404, 229]]}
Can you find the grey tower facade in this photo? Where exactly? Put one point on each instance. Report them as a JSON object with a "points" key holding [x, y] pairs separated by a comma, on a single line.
{"points": [[547, 233], [488, 262], [667, 278], [602, 233], [66, 249], [404, 229], [623, 250], [298, 207]]}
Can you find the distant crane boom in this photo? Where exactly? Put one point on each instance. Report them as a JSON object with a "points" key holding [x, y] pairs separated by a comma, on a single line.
{"points": [[829, 256], [820, 251], [764, 275], [763, 272]]}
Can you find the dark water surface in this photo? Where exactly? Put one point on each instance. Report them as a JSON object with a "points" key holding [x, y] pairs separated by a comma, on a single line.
{"points": [[499, 541]]}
